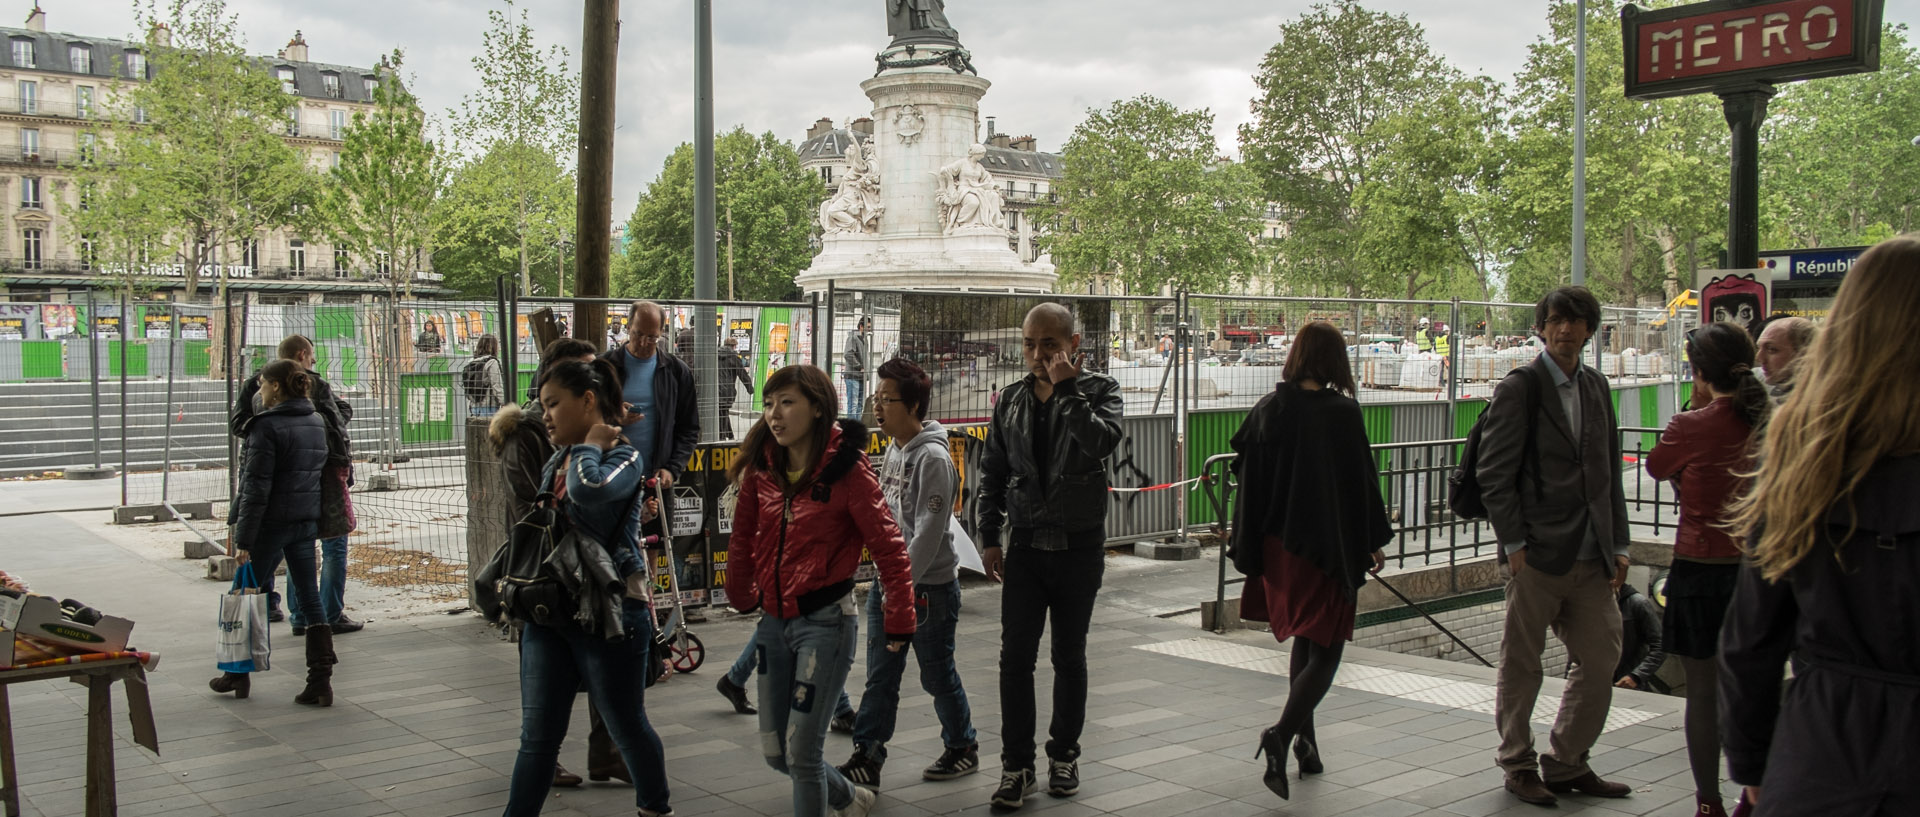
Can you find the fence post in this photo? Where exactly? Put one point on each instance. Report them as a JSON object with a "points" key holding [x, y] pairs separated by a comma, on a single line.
{"points": [[1181, 337], [126, 321], [93, 375], [813, 324], [166, 447], [1453, 364], [827, 365]]}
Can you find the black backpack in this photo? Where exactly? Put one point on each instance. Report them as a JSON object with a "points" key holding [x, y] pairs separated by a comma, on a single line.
{"points": [[516, 583], [473, 381], [1463, 487]]}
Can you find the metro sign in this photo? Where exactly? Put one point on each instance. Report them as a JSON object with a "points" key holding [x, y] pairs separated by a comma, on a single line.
{"points": [[1736, 44]]}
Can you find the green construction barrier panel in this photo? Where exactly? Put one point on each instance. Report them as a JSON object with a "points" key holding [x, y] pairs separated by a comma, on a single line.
{"points": [[525, 380], [198, 356], [136, 352], [426, 401], [43, 360], [347, 368], [1208, 434], [333, 323], [438, 363], [1649, 412]]}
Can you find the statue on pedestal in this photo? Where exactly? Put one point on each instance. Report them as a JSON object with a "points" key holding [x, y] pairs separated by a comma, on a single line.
{"points": [[920, 20], [855, 207], [968, 198]]}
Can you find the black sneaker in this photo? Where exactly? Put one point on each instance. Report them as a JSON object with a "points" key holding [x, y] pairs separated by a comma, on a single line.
{"points": [[1063, 777], [1015, 785], [346, 625], [842, 724], [954, 763], [862, 769], [274, 615]]}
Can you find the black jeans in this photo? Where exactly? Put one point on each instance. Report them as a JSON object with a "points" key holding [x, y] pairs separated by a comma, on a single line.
{"points": [[1060, 584]]}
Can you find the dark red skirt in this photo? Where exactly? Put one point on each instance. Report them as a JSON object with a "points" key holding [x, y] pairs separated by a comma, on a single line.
{"points": [[1297, 599]]}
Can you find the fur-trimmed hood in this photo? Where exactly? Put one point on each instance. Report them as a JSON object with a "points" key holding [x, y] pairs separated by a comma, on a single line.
{"points": [[846, 447], [510, 418]]}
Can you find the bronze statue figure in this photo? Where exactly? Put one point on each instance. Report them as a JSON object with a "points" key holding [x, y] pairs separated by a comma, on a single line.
{"points": [[920, 21]]}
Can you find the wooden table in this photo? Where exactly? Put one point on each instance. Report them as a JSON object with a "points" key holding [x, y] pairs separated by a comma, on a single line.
{"points": [[98, 677]]}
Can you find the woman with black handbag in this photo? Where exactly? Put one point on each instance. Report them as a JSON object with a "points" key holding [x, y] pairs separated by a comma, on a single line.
{"points": [[1308, 528], [277, 513], [595, 479]]}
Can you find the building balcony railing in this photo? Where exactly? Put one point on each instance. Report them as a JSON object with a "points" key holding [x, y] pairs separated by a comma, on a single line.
{"points": [[16, 155], [56, 109], [1029, 197], [12, 262]]}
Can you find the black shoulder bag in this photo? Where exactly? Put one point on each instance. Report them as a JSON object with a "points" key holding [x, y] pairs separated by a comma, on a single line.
{"points": [[517, 584]]}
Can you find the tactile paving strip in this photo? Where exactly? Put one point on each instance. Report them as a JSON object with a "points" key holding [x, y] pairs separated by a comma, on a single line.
{"points": [[1467, 695]]}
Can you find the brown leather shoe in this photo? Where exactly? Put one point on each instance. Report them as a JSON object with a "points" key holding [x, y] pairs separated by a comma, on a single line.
{"points": [[1590, 783], [1526, 785], [563, 778]]}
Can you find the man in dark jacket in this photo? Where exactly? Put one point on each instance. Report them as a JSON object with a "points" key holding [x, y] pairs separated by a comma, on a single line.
{"points": [[1557, 508], [855, 362], [1044, 475], [733, 369], [337, 413], [1641, 649]]}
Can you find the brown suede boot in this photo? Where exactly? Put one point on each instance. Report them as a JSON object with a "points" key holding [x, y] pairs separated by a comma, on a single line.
{"points": [[320, 661]]}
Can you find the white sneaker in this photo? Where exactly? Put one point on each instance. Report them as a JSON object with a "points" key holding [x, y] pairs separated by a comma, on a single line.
{"points": [[863, 800]]}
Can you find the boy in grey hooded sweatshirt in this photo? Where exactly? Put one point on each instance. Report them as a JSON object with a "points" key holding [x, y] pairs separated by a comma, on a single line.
{"points": [[919, 480]]}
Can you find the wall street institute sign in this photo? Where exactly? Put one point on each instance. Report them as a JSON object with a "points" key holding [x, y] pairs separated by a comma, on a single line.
{"points": [[1729, 44]]}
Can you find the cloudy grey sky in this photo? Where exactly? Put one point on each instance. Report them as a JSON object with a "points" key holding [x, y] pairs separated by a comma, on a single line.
{"points": [[781, 64]]}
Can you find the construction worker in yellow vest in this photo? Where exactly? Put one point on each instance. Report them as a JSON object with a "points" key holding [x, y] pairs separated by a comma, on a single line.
{"points": [[1423, 339], [1442, 338]]}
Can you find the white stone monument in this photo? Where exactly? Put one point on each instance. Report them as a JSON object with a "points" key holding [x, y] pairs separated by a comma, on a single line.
{"points": [[917, 209]]}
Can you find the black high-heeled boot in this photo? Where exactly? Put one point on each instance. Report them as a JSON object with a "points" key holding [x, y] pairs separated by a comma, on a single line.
{"points": [[238, 683], [1274, 745], [1308, 755], [320, 661]]}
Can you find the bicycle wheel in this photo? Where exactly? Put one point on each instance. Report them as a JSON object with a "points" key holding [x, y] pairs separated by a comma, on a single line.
{"points": [[688, 652]]}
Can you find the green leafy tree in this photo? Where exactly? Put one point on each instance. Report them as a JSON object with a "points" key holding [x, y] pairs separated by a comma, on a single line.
{"points": [[1428, 215], [484, 226], [1656, 171], [521, 126], [1338, 73], [765, 200], [193, 146], [1837, 161], [376, 201], [1147, 201]]}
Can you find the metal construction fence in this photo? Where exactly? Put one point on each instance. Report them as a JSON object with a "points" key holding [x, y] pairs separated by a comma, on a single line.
{"points": [[1413, 483], [1189, 367]]}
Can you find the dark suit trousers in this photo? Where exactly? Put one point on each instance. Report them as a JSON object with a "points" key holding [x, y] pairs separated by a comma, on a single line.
{"points": [[1581, 609]]}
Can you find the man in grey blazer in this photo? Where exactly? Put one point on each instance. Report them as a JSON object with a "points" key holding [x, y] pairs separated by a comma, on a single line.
{"points": [[1561, 519]]}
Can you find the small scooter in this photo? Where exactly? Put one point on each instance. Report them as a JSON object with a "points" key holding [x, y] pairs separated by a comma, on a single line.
{"points": [[684, 652]]}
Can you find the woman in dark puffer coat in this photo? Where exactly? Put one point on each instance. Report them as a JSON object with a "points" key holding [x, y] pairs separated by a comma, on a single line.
{"points": [[277, 512]]}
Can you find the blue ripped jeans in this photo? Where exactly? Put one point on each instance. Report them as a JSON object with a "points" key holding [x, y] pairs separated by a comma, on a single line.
{"points": [[803, 668]]}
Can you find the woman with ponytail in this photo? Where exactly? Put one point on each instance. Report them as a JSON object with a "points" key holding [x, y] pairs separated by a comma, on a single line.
{"points": [[595, 479], [276, 513], [1832, 530], [1704, 452]]}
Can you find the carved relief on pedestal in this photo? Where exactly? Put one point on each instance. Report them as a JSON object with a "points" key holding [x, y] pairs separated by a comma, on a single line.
{"points": [[969, 200], [855, 207], [909, 123]]}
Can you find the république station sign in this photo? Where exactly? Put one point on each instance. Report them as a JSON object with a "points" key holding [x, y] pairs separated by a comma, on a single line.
{"points": [[1725, 44]]}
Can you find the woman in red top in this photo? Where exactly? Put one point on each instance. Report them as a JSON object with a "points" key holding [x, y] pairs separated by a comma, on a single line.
{"points": [[809, 503], [1704, 452]]}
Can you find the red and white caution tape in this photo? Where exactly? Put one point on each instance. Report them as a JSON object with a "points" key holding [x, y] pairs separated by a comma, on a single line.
{"points": [[1161, 487]]}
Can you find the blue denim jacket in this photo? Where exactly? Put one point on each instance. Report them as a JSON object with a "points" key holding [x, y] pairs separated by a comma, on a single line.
{"points": [[603, 498]]}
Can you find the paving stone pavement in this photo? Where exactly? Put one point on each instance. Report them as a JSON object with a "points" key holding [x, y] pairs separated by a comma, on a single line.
{"points": [[425, 721]]}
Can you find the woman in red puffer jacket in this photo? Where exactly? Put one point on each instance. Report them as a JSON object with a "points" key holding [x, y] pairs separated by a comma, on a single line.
{"points": [[809, 504]]}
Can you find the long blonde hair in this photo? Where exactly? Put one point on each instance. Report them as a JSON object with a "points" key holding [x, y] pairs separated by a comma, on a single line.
{"points": [[1856, 401]]}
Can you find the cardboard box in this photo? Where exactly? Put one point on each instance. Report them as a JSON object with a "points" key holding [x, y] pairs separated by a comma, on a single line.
{"points": [[32, 629]]}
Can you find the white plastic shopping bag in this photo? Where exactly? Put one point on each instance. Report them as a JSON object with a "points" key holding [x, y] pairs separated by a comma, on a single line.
{"points": [[242, 644]]}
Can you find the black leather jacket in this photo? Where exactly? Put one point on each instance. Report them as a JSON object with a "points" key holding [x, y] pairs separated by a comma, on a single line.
{"points": [[1067, 492]]}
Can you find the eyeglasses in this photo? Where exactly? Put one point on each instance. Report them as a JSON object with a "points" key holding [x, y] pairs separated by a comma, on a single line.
{"points": [[882, 401]]}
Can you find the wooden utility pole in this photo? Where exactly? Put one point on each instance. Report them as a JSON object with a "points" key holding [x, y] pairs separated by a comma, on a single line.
{"points": [[599, 70]]}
